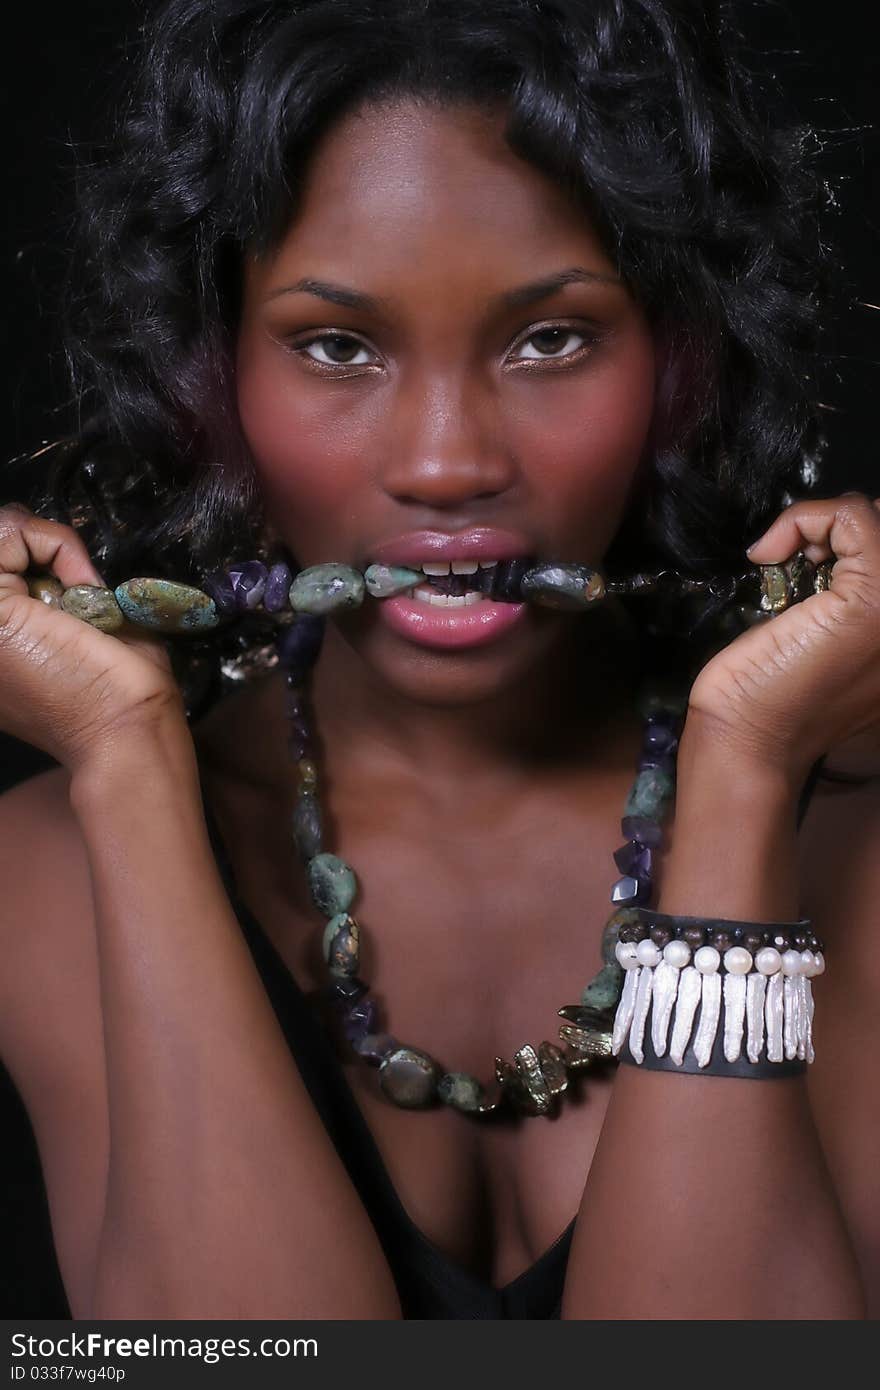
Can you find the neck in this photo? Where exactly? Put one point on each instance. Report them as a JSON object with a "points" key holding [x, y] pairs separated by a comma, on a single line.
{"points": [[565, 711]]}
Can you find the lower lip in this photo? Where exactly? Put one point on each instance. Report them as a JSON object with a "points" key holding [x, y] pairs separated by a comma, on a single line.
{"points": [[433, 626]]}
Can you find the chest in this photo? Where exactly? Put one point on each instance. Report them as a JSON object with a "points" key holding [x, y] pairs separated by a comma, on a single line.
{"points": [[471, 943]]}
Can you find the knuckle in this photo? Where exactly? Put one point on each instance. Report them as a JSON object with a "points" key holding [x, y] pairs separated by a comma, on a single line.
{"points": [[855, 508]]}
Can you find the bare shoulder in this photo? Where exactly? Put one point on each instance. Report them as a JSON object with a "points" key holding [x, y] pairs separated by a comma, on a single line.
{"points": [[51, 1036], [840, 893]]}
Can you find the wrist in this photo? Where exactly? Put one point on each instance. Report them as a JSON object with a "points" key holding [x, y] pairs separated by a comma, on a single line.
{"points": [[743, 757], [145, 756], [733, 850]]}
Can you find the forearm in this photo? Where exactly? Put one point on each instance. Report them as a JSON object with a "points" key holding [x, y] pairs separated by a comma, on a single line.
{"points": [[708, 1197], [225, 1197]]}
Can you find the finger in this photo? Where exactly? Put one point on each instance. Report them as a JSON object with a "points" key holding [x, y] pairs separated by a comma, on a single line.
{"points": [[843, 528], [26, 540]]}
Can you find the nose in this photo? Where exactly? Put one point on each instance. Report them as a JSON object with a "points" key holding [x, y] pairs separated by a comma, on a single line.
{"points": [[445, 446]]}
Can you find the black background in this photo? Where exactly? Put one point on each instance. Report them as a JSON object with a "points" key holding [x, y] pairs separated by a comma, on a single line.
{"points": [[57, 82]]}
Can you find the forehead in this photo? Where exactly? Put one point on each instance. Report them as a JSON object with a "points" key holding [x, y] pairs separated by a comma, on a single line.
{"points": [[413, 185]]}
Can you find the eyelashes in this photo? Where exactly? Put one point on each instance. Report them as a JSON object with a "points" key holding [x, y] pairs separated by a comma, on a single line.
{"points": [[560, 336]]}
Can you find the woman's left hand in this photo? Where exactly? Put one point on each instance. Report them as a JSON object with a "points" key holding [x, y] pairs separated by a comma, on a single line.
{"points": [[805, 680]]}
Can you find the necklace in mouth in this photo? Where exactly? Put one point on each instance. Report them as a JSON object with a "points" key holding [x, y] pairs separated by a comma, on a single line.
{"points": [[171, 608]]}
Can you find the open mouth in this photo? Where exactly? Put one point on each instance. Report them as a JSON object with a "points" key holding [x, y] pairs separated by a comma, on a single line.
{"points": [[470, 582]]}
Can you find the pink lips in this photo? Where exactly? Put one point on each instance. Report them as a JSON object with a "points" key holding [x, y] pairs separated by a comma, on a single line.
{"points": [[477, 543], [432, 626]]}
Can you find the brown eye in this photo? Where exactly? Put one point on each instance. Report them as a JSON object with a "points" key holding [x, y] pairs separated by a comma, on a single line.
{"points": [[339, 349], [550, 340]]}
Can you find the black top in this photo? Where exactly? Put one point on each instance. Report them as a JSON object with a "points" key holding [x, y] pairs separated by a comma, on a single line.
{"points": [[429, 1283]]}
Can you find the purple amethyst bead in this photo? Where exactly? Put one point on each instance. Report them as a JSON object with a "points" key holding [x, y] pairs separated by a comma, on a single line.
{"points": [[278, 582], [631, 892], [219, 587], [347, 991], [659, 738], [633, 859], [298, 644], [640, 828], [360, 1020], [376, 1047], [248, 581]]}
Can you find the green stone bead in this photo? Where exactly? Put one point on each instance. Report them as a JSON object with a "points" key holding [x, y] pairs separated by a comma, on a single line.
{"points": [[603, 991], [333, 884], [650, 791], [165, 606], [327, 588], [307, 830], [341, 944], [384, 580], [46, 588], [462, 1091], [94, 605], [572, 587], [623, 917], [409, 1077]]}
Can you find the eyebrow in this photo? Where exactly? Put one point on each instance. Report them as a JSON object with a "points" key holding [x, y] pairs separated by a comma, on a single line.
{"points": [[509, 299]]}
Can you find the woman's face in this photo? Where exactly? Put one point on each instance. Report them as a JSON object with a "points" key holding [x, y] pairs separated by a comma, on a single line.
{"points": [[446, 402]]}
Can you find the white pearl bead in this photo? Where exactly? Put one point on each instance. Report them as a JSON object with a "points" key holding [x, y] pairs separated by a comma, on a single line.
{"points": [[625, 952], [768, 960], [820, 964], [707, 960], [677, 953], [648, 953], [737, 960], [791, 963], [808, 964]]}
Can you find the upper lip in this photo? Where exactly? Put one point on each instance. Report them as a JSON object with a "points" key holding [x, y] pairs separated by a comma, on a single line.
{"points": [[478, 543]]}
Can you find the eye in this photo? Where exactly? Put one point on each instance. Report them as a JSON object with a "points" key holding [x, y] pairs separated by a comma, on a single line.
{"points": [[338, 349], [550, 339]]}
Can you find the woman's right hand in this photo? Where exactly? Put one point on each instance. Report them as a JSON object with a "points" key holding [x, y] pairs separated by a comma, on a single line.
{"points": [[66, 687]]}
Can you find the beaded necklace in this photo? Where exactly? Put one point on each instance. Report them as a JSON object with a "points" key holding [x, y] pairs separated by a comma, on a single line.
{"points": [[537, 1076]]}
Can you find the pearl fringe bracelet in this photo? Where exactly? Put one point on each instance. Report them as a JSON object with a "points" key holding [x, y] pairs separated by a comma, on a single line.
{"points": [[758, 1002]]}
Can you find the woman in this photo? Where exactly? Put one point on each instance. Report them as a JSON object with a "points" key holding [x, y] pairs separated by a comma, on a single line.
{"points": [[532, 283]]}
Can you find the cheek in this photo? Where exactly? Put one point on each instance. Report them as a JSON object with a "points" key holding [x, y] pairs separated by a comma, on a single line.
{"points": [[591, 438], [306, 469]]}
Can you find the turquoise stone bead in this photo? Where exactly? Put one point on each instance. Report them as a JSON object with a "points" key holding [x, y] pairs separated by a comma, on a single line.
{"points": [[341, 944], [93, 605], [384, 580], [572, 587], [327, 588], [603, 991], [650, 791], [165, 606], [460, 1090], [623, 917], [333, 884]]}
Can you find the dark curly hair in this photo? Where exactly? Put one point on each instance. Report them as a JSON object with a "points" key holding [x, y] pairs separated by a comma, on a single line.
{"points": [[644, 110]]}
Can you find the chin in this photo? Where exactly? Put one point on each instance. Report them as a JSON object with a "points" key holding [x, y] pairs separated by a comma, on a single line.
{"points": [[451, 677]]}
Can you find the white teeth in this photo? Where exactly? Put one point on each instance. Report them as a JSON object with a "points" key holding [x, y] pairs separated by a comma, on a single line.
{"points": [[446, 600], [456, 566]]}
